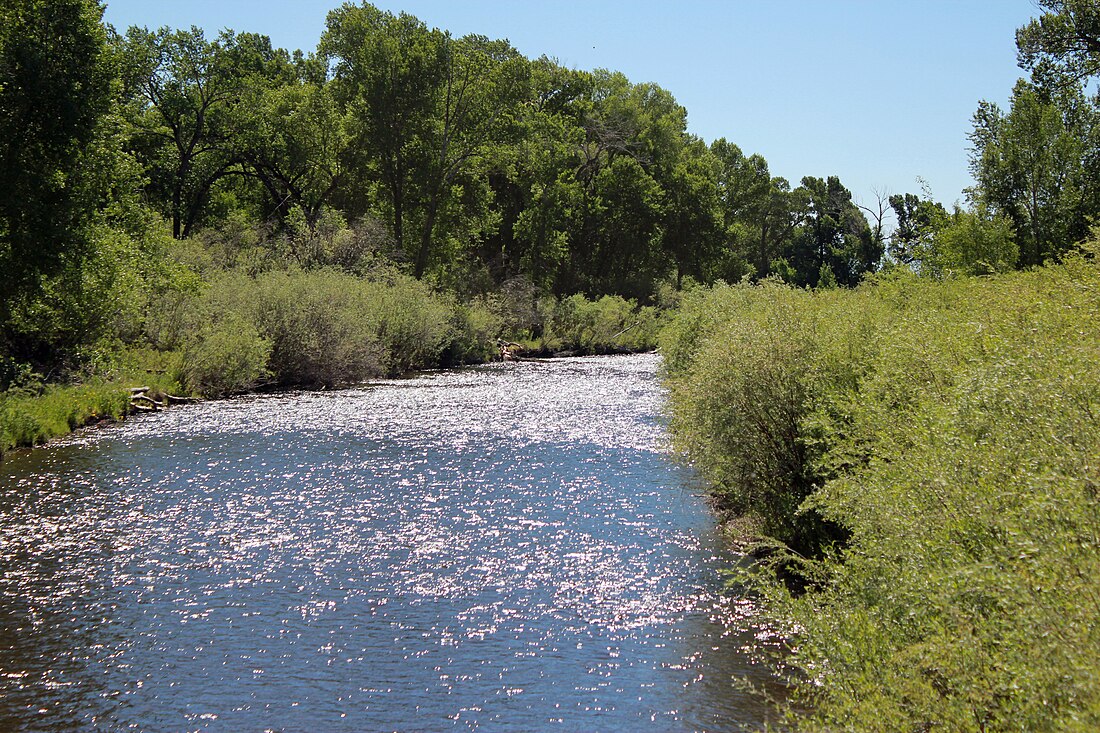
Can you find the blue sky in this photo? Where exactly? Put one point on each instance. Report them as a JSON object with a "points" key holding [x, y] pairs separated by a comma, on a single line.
{"points": [[878, 92]]}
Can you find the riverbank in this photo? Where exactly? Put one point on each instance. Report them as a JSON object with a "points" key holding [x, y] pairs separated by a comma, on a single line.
{"points": [[317, 330], [924, 455]]}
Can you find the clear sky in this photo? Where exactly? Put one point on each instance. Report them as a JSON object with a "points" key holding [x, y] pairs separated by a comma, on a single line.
{"points": [[878, 92]]}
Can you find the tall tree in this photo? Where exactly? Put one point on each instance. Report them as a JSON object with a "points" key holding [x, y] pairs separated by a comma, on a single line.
{"points": [[483, 83], [835, 243], [918, 220], [760, 211], [1030, 165], [387, 71], [294, 140], [55, 91], [1062, 46], [186, 94], [544, 208], [692, 222]]}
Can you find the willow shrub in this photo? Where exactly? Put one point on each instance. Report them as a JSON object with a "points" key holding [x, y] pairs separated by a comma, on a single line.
{"points": [[318, 328], [953, 431], [607, 325], [745, 365]]}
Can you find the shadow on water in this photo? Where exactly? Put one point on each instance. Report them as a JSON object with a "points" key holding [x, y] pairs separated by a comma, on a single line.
{"points": [[506, 548]]}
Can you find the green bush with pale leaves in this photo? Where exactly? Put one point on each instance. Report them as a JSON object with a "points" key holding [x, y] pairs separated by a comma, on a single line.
{"points": [[933, 451]]}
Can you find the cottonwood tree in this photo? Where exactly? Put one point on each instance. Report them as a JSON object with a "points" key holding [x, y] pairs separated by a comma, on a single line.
{"points": [[186, 95], [56, 77], [834, 242], [1030, 165], [760, 211], [1062, 46]]}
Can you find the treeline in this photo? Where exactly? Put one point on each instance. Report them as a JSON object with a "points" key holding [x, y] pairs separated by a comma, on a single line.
{"points": [[475, 164], [140, 164]]}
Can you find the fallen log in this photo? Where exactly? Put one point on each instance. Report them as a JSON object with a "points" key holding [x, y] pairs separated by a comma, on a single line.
{"points": [[172, 399], [146, 398]]}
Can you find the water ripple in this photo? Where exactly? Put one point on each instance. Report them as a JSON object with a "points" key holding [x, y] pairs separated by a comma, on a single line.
{"points": [[506, 547]]}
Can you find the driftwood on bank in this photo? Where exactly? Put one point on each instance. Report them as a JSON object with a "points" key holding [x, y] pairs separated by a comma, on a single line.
{"points": [[509, 350], [146, 399], [173, 400], [140, 401]]}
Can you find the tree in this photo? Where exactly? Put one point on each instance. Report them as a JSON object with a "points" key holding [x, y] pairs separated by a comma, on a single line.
{"points": [[760, 212], [482, 84], [1029, 165], [692, 219], [185, 105], [539, 199], [55, 92], [918, 221], [293, 139], [634, 137], [834, 240], [970, 243], [1062, 46], [386, 72]]}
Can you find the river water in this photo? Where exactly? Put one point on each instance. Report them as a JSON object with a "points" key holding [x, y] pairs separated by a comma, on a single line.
{"points": [[506, 548]]}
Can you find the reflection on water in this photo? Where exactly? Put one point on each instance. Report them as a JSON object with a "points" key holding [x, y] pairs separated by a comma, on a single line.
{"points": [[505, 548]]}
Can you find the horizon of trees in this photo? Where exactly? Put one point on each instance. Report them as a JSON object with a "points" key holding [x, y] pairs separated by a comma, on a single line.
{"points": [[461, 162]]}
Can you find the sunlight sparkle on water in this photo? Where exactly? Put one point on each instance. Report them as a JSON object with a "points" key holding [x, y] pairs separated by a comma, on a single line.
{"points": [[499, 548]]}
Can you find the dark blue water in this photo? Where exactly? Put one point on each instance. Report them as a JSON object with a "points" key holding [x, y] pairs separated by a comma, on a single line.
{"points": [[506, 548]]}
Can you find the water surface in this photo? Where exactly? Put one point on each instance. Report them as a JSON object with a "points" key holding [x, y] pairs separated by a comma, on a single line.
{"points": [[507, 548]]}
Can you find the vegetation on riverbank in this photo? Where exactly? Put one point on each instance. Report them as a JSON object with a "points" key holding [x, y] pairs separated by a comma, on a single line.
{"points": [[396, 199], [314, 329], [927, 452]]}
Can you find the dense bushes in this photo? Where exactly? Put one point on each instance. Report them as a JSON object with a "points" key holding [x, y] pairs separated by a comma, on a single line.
{"points": [[319, 328], [953, 431]]}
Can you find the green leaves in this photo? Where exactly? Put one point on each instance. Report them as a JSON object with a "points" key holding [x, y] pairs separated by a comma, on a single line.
{"points": [[951, 428], [55, 91], [1029, 165]]}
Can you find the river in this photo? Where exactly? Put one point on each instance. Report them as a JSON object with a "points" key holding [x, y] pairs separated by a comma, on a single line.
{"points": [[505, 548]]}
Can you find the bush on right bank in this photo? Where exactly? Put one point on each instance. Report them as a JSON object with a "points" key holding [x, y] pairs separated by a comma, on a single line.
{"points": [[926, 457]]}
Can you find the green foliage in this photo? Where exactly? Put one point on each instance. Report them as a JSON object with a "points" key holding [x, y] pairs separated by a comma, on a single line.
{"points": [[608, 325], [1031, 165], [744, 363], [971, 243], [55, 93], [476, 327], [1062, 46], [834, 237], [227, 356], [190, 102], [32, 414], [950, 429], [319, 328]]}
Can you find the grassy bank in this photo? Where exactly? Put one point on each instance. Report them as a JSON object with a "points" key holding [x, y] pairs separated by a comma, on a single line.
{"points": [[321, 328], [929, 454]]}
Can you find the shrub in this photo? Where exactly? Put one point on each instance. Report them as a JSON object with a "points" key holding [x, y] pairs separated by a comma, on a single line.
{"points": [[227, 357], [608, 325], [744, 388], [317, 328], [950, 428]]}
